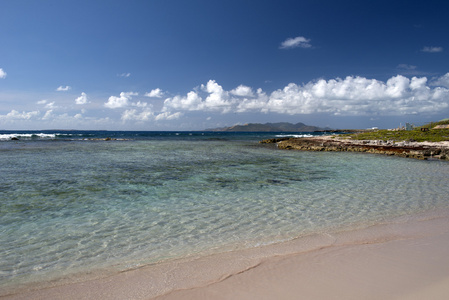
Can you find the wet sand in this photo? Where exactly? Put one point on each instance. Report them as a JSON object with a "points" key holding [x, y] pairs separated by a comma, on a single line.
{"points": [[406, 258]]}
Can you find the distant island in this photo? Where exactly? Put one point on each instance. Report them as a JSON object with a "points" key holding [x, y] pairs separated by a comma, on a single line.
{"points": [[271, 127]]}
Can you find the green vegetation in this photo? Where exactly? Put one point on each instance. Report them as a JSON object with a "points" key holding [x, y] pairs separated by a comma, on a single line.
{"points": [[433, 124], [419, 134]]}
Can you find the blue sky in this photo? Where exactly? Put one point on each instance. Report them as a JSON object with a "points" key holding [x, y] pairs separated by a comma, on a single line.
{"points": [[191, 65]]}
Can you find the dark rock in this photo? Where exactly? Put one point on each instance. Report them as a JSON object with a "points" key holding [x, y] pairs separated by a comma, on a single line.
{"points": [[319, 144]]}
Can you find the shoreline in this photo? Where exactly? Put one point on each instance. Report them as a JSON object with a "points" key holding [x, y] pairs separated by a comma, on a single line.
{"points": [[417, 150], [262, 273]]}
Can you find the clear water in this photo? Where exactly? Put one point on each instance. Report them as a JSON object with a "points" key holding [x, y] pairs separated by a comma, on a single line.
{"points": [[69, 203]]}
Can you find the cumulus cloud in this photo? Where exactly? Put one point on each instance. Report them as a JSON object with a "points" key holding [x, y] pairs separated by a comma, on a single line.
{"points": [[48, 105], [218, 98], [147, 114], [168, 116], [156, 93], [243, 91], [139, 104], [2, 74], [215, 99], [15, 115], [441, 81], [296, 42], [134, 115], [351, 96], [357, 96], [81, 99], [190, 102], [63, 88], [121, 101], [432, 49]]}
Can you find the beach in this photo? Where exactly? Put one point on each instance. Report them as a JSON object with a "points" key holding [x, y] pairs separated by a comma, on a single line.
{"points": [[404, 259]]}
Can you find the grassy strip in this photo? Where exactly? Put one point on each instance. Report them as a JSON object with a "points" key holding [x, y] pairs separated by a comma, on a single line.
{"points": [[433, 135], [416, 135]]}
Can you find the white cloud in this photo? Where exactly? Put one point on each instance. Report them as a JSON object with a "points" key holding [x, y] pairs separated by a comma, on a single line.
{"points": [[48, 115], [126, 75], [442, 81], [15, 115], [168, 116], [254, 104], [2, 74], [139, 104], [81, 99], [406, 67], [216, 99], [147, 114], [296, 42], [349, 96], [134, 115], [48, 105], [352, 96], [156, 93], [191, 102], [63, 88], [358, 96], [119, 102], [243, 91], [432, 49]]}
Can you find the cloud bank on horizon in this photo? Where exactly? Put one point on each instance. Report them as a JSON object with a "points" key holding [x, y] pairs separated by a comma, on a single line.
{"points": [[350, 96]]}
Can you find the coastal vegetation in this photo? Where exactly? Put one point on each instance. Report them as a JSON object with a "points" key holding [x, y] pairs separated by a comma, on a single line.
{"points": [[426, 133], [400, 142]]}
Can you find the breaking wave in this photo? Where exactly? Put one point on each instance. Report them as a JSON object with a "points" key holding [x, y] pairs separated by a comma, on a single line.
{"points": [[26, 136], [294, 135]]}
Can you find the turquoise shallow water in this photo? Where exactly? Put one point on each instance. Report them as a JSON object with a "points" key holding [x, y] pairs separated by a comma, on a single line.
{"points": [[74, 205]]}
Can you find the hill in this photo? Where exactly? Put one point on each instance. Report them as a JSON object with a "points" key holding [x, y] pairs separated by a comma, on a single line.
{"points": [[271, 127]]}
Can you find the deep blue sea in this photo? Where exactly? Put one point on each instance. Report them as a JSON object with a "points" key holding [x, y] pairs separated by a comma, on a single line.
{"points": [[73, 202]]}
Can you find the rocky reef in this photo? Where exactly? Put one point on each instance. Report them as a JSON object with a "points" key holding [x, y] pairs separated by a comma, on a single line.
{"points": [[422, 150]]}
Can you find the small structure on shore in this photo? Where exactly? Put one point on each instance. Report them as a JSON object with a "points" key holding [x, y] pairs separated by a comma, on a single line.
{"points": [[409, 127]]}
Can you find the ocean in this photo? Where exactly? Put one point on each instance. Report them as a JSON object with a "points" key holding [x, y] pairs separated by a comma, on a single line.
{"points": [[80, 202]]}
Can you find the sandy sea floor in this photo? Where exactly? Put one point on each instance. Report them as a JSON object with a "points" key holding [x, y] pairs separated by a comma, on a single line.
{"points": [[406, 258]]}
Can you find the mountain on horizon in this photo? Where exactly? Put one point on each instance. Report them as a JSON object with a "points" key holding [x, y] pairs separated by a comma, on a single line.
{"points": [[271, 127]]}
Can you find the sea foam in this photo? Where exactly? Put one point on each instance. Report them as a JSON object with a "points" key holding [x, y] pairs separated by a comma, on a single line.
{"points": [[10, 136]]}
